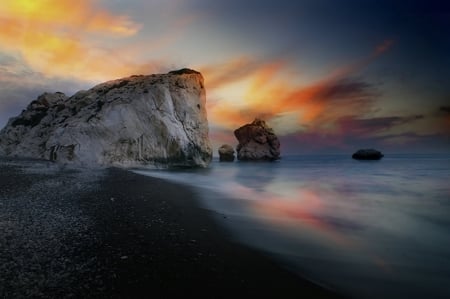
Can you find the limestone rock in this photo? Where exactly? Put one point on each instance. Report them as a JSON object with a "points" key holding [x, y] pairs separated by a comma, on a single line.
{"points": [[156, 120], [226, 153], [257, 142], [367, 154]]}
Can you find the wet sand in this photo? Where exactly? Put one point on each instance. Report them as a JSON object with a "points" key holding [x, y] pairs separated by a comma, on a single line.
{"points": [[110, 233]]}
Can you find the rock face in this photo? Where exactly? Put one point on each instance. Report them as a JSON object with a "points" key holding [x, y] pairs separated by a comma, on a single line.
{"points": [[367, 154], [226, 153], [156, 120], [257, 142]]}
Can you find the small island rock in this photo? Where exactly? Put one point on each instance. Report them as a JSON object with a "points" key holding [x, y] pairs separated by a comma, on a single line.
{"points": [[367, 154], [226, 153], [257, 142]]}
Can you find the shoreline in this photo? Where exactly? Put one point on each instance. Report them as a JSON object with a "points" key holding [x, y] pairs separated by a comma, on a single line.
{"points": [[111, 233]]}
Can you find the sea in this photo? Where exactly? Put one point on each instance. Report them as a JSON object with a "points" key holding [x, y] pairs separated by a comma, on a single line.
{"points": [[366, 229]]}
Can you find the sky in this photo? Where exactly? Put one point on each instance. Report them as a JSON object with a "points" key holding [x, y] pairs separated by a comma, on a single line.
{"points": [[329, 76]]}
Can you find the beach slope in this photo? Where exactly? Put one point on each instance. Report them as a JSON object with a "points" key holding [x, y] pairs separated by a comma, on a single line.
{"points": [[114, 234]]}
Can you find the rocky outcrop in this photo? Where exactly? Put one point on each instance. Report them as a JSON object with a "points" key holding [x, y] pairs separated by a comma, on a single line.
{"points": [[367, 154], [155, 120], [257, 142], [226, 153]]}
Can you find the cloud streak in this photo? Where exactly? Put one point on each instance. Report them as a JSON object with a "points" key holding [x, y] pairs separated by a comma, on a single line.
{"points": [[221, 75], [360, 135], [373, 126]]}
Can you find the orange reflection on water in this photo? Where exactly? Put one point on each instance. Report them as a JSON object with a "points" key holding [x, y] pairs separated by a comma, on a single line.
{"points": [[301, 209], [305, 209]]}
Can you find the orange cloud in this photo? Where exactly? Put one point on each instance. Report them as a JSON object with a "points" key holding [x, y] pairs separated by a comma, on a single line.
{"points": [[62, 37], [217, 76], [81, 14], [269, 94], [267, 90]]}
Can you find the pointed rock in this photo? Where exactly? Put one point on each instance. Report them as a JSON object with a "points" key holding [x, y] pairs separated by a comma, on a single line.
{"points": [[257, 142]]}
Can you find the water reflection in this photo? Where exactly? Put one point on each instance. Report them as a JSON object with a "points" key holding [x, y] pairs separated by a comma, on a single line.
{"points": [[369, 224], [377, 230]]}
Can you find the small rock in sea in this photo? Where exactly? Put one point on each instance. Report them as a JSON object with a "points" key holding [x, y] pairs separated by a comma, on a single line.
{"points": [[226, 153], [367, 154], [257, 142]]}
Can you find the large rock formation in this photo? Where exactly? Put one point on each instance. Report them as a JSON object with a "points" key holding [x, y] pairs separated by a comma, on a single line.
{"points": [[367, 154], [141, 120], [226, 153], [257, 142]]}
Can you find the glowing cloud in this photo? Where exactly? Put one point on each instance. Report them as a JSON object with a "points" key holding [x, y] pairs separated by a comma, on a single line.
{"points": [[61, 37], [267, 90], [81, 15]]}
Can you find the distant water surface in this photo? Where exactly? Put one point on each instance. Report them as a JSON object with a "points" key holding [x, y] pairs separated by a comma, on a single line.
{"points": [[371, 229]]}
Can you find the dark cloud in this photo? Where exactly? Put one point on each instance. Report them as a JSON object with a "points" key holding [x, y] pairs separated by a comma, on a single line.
{"points": [[444, 109], [354, 125], [347, 89], [413, 142], [407, 142], [19, 85], [354, 133]]}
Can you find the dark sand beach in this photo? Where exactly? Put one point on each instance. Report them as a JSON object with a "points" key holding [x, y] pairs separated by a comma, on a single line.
{"points": [[74, 233]]}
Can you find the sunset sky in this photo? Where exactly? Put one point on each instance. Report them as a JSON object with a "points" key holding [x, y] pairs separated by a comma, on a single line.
{"points": [[327, 75]]}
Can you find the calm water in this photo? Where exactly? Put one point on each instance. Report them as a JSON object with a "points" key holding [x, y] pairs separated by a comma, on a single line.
{"points": [[371, 229]]}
